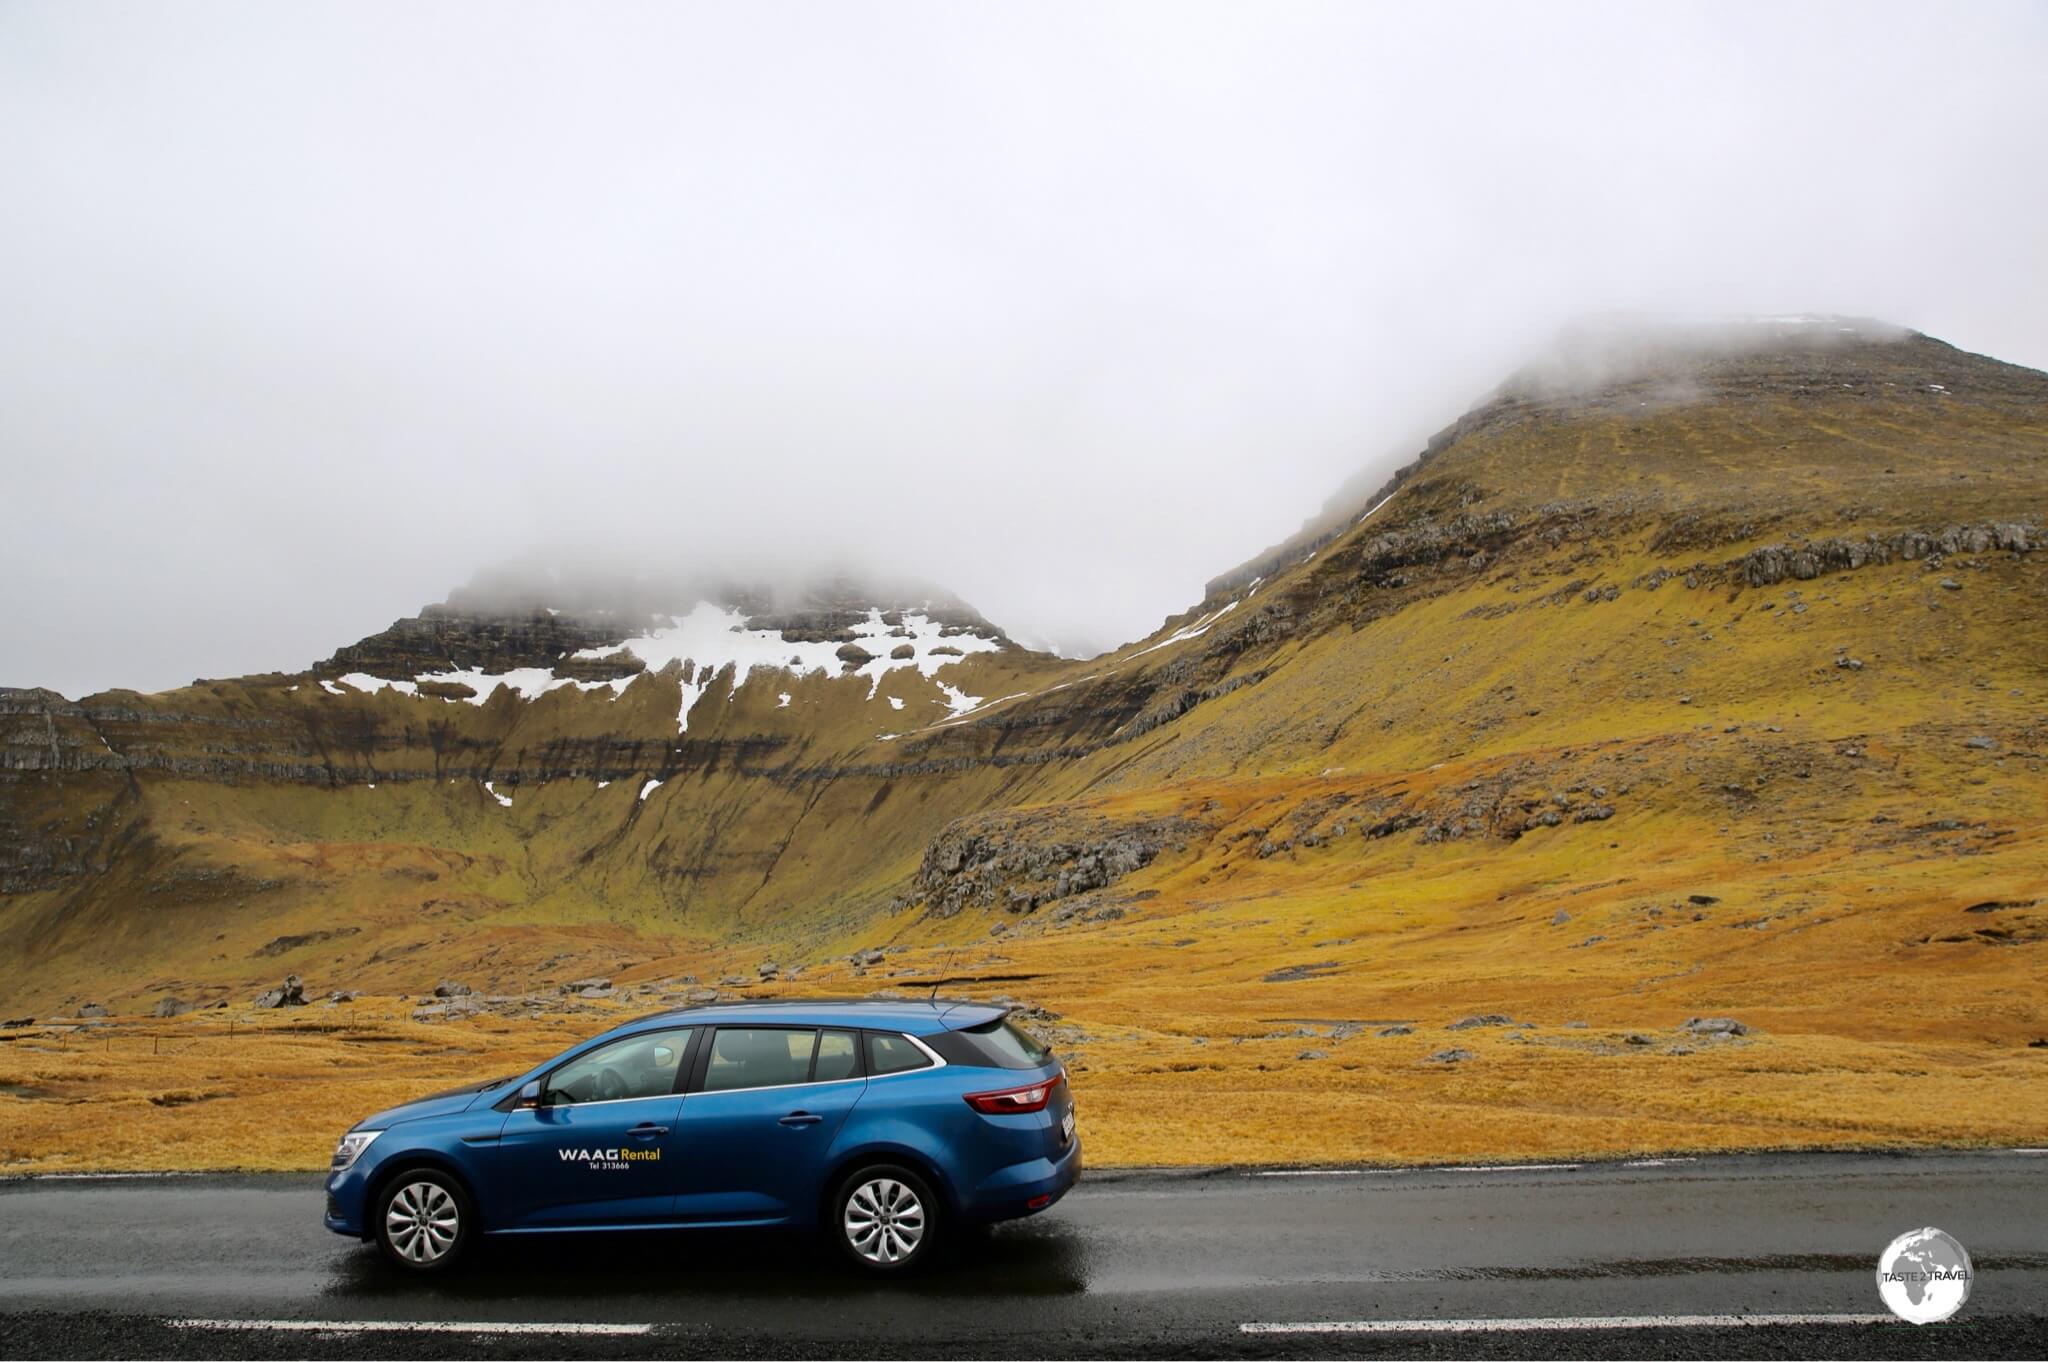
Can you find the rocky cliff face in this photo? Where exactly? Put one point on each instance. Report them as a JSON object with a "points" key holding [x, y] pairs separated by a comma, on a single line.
{"points": [[449, 638], [1021, 860]]}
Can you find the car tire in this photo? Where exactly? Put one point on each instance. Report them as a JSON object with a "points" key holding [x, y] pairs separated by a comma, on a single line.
{"points": [[424, 1220], [886, 1218]]}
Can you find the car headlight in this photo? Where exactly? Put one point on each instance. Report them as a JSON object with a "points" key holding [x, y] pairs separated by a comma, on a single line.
{"points": [[351, 1147]]}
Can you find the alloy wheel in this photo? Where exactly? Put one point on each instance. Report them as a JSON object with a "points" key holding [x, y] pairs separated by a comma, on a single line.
{"points": [[885, 1221], [421, 1220]]}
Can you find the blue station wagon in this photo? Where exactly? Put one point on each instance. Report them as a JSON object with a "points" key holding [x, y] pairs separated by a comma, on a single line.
{"points": [[883, 1124]]}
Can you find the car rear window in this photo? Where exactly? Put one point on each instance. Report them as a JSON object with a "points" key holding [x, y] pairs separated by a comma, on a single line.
{"points": [[1005, 1037], [998, 1044]]}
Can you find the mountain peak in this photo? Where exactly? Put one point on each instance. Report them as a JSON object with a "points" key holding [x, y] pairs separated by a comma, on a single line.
{"points": [[1707, 412], [534, 633]]}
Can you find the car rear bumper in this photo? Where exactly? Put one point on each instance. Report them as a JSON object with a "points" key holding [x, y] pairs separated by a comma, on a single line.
{"points": [[1025, 1188]]}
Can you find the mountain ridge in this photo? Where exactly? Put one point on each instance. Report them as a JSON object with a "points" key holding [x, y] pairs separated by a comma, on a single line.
{"points": [[1710, 689]]}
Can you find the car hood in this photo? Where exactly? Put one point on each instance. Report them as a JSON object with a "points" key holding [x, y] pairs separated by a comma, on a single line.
{"points": [[438, 1104]]}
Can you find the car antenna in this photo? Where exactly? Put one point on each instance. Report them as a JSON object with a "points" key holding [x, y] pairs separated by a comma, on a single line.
{"points": [[951, 956]]}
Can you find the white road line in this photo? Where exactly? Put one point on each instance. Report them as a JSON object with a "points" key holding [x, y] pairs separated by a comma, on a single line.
{"points": [[2027, 1151], [1655, 1163], [1386, 1172], [1571, 1322], [1503, 1168], [407, 1326], [103, 1177]]}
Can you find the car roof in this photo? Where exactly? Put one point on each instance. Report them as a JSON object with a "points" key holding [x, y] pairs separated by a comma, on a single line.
{"points": [[916, 1016]]}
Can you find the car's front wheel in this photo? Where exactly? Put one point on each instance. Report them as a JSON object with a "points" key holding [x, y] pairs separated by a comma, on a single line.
{"points": [[424, 1221], [886, 1218]]}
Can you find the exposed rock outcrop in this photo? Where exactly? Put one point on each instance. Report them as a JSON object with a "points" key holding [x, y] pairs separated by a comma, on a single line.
{"points": [[1804, 561], [1022, 859]]}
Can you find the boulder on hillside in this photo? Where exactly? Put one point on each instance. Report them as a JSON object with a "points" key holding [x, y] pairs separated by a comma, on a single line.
{"points": [[93, 1010], [1715, 1026], [902, 652], [578, 985], [1485, 1019], [168, 1006], [853, 655], [291, 994], [448, 988]]}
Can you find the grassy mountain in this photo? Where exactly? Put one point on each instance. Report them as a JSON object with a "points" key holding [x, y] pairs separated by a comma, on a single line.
{"points": [[1689, 676]]}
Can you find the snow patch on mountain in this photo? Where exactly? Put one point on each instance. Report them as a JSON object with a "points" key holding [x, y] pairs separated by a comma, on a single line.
{"points": [[1195, 630], [712, 639], [715, 638]]}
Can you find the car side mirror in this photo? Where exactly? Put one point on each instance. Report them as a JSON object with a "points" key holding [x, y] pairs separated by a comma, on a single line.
{"points": [[529, 1097]]}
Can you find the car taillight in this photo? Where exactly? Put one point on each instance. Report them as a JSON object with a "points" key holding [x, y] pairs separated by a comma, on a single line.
{"points": [[1011, 1101]]}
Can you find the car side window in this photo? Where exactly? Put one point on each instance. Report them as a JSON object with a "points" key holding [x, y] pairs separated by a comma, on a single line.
{"points": [[837, 1057], [889, 1054], [636, 1066], [758, 1057]]}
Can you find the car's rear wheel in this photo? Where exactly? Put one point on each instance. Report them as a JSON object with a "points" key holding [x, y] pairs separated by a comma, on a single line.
{"points": [[424, 1220], [886, 1218]]}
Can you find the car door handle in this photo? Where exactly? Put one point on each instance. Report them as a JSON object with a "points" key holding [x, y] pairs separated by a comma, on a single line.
{"points": [[800, 1118], [647, 1130]]}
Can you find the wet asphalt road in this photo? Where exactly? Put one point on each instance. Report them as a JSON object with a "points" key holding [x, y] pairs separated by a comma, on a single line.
{"points": [[1128, 1265]]}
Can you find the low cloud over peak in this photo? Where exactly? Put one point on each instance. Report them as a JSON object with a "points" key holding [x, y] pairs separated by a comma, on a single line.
{"points": [[312, 310]]}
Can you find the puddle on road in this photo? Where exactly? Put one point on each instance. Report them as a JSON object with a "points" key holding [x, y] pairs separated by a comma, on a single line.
{"points": [[724, 1265]]}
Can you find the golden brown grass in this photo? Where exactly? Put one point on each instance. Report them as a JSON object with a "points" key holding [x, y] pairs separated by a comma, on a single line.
{"points": [[1186, 1054]]}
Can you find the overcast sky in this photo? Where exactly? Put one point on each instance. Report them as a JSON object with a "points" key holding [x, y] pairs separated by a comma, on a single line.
{"points": [[307, 312]]}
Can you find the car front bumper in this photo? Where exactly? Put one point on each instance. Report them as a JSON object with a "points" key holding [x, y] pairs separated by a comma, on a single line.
{"points": [[347, 1193]]}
